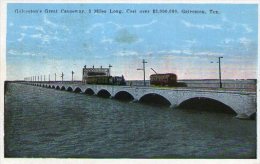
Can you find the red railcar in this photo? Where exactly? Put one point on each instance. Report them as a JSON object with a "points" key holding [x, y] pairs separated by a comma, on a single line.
{"points": [[167, 79]]}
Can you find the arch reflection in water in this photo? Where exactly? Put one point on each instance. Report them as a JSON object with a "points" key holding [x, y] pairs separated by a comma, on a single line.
{"points": [[69, 89], [124, 96], [77, 90], [89, 91], [154, 99], [103, 93]]}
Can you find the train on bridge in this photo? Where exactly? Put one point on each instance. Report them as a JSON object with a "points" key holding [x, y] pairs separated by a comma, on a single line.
{"points": [[166, 79], [101, 76]]}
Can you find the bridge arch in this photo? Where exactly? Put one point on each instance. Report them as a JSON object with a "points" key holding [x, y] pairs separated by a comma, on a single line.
{"points": [[53, 86], [63, 88], [57, 87], [103, 93], [69, 89], [77, 90], [49, 86], [89, 91], [155, 99], [124, 96], [206, 103]]}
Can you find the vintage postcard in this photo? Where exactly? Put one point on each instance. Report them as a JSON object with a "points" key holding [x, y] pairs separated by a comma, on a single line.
{"points": [[129, 80]]}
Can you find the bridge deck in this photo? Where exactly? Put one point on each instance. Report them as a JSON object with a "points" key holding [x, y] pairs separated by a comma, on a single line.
{"points": [[218, 90]]}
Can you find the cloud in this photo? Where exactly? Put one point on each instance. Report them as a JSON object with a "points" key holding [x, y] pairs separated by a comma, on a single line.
{"points": [[17, 53], [117, 26], [124, 36], [208, 53], [47, 32], [36, 28], [145, 25], [247, 28], [201, 26], [191, 41], [22, 35], [102, 26], [245, 42], [188, 53], [228, 40], [44, 38], [126, 53], [51, 24], [107, 40], [94, 27]]}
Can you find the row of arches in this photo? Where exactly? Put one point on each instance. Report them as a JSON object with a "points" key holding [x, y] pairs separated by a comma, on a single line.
{"points": [[152, 99]]}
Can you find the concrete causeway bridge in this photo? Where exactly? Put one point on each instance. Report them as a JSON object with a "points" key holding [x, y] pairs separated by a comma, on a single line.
{"points": [[241, 102]]}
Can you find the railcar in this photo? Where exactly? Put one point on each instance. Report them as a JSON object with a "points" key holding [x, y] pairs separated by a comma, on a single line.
{"points": [[106, 80]]}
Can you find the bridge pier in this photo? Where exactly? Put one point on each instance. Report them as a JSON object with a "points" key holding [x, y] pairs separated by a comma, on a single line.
{"points": [[173, 106], [242, 116], [134, 101]]}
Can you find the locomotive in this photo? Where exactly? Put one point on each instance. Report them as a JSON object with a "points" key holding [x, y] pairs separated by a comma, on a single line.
{"points": [[167, 79]]}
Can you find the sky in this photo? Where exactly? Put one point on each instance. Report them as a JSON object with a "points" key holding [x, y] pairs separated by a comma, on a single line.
{"points": [[186, 44]]}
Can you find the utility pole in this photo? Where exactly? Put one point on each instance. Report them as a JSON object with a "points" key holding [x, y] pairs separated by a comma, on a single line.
{"points": [[55, 76], [219, 70], [38, 78], [62, 75], [72, 76], [44, 77], [143, 70]]}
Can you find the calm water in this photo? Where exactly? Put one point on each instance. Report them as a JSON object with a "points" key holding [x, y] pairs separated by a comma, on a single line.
{"points": [[41, 122]]}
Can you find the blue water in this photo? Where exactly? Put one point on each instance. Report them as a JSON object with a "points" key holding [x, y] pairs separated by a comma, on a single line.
{"points": [[41, 122]]}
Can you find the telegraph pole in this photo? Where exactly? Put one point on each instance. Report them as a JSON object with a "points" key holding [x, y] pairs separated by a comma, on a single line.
{"points": [[72, 76], [44, 77], [55, 76], [62, 75], [219, 70], [144, 62]]}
